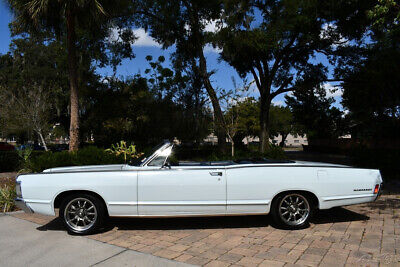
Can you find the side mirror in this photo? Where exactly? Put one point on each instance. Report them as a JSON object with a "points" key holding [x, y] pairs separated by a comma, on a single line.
{"points": [[166, 165]]}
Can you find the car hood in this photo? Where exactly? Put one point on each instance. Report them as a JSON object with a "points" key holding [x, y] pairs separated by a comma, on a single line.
{"points": [[89, 168]]}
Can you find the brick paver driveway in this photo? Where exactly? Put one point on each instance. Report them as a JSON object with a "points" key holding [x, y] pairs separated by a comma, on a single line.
{"points": [[362, 235]]}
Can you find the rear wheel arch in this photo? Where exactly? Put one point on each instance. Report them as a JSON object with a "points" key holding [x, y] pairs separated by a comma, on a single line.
{"points": [[62, 195], [310, 195]]}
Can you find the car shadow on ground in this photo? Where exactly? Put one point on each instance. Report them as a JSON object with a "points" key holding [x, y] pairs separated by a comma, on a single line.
{"points": [[220, 222], [385, 203], [192, 223], [336, 215]]}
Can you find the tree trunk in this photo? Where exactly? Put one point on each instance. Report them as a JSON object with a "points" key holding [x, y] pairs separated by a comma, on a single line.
{"points": [[42, 139], [284, 136], [238, 139], [233, 148], [218, 115], [73, 82], [265, 102]]}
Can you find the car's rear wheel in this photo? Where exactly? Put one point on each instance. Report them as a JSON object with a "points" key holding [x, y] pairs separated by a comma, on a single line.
{"points": [[292, 210], [82, 213]]}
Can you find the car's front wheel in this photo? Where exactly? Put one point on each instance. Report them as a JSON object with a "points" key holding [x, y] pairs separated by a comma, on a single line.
{"points": [[292, 210], [82, 213]]}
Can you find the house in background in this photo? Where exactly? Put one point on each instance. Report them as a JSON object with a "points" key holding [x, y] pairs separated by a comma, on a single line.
{"points": [[291, 140]]}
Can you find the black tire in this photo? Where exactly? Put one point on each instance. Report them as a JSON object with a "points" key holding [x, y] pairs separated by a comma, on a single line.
{"points": [[82, 213], [301, 219]]}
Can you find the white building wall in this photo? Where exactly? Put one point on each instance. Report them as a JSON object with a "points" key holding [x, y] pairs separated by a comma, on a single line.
{"points": [[291, 140]]}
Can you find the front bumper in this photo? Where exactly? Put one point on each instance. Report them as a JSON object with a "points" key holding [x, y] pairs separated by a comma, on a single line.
{"points": [[20, 203]]}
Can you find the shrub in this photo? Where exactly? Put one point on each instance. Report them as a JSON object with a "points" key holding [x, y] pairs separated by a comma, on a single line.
{"points": [[7, 196], [92, 155], [386, 160], [9, 161], [211, 153], [25, 158], [121, 148], [275, 152], [85, 156]]}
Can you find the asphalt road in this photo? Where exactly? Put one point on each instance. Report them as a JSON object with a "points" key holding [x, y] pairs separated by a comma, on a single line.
{"points": [[23, 244]]}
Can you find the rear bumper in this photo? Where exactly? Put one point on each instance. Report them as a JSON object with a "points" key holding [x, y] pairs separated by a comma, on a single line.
{"points": [[20, 203]]}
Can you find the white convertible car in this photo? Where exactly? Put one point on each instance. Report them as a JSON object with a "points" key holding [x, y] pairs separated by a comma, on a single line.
{"points": [[157, 187]]}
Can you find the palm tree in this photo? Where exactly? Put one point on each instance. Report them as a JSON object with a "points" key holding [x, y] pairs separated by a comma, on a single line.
{"points": [[55, 15]]}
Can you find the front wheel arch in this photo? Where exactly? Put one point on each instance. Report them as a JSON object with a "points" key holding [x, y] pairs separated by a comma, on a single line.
{"points": [[61, 196], [82, 213]]}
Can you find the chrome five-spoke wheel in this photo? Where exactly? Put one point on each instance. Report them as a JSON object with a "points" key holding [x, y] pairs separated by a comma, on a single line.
{"points": [[292, 210], [80, 214]]}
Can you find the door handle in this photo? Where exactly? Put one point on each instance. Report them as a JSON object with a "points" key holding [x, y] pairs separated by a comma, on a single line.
{"points": [[216, 173]]}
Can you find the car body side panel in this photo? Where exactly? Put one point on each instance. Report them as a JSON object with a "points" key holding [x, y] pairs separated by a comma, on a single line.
{"points": [[346, 186], [118, 189], [182, 191], [241, 189], [251, 190]]}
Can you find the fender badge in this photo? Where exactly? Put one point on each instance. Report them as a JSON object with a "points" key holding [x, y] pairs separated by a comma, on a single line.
{"points": [[362, 189]]}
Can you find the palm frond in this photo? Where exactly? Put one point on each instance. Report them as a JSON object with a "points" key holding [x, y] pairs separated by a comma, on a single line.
{"points": [[36, 8], [100, 7]]}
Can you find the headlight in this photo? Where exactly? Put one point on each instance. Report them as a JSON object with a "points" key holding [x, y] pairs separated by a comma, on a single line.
{"points": [[18, 189]]}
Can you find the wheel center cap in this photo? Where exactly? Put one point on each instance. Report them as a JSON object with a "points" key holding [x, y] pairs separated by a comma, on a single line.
{"points": [[81, 213]]}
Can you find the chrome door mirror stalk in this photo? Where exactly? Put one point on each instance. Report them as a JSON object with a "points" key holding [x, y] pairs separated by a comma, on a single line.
{"points": [[166, 165]]}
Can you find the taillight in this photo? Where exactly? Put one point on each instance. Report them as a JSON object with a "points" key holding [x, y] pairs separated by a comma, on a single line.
{"points": [[376, 190]]}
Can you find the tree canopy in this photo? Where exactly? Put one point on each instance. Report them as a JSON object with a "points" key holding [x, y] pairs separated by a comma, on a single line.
{"points": [[314, 114], [83, 26], [275, 47], [284, 47], [183, 24], [33, 83]]}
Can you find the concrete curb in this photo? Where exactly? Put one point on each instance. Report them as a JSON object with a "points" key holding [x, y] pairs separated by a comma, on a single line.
{"points": [[13, 212]]}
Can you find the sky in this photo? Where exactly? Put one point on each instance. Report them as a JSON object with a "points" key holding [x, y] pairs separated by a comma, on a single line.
{"points": [[145, 45]]}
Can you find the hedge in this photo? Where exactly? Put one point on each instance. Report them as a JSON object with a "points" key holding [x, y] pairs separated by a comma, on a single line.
{"points": [[40, 160], [386, 160], [9, 161], [85, 156]]}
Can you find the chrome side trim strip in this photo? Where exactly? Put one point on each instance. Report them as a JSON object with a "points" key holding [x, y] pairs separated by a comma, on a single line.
{"points": [[191, 203], [182, 215], [38, 201], [347, 197], [248, 202], [127, 203], [186, 203]]}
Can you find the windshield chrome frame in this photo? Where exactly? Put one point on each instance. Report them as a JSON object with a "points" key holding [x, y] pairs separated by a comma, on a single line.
{"points": [[166, 145]]}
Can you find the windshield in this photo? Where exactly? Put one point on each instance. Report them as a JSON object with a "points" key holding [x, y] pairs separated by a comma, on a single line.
{"points": [[144, 157]]}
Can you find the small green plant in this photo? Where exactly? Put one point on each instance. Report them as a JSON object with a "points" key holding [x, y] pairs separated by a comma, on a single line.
{"points": [[25, 155], [7, 196], [122, 148]]}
